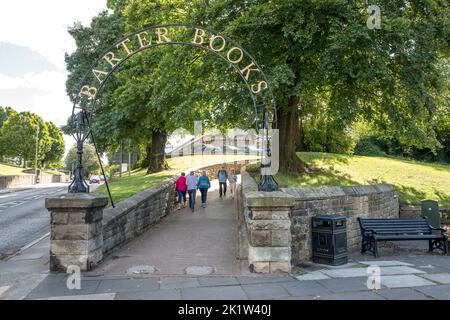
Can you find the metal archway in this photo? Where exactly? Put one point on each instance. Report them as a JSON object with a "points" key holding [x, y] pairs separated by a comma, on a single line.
{"points": [[243, 63]]}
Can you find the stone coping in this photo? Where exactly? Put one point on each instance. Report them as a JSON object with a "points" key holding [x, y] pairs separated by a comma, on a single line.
{"points": [[337, 191], [255, 198], [76, 200]]}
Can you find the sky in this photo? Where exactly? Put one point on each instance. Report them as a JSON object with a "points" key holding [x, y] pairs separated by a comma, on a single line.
{"points": [[33, 41]]}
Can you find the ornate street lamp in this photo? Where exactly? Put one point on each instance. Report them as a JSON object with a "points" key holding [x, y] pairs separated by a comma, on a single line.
{"points": [[78, 184]]}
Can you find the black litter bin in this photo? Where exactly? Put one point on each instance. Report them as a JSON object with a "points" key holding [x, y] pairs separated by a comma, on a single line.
{"points": [[329, 239]]}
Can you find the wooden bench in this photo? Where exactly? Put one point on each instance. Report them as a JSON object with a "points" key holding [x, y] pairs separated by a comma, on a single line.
{"points": [[374, 230]]}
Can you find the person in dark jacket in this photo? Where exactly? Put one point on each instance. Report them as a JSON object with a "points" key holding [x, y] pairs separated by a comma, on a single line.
{"points": [[222, 176]]}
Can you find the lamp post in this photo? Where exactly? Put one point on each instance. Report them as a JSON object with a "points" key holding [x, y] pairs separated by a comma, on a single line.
{"points": [[36, 154], [78, 184], [267, 182]]}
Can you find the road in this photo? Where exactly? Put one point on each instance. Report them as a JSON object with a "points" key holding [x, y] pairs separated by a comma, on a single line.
{"points": [[23, 217]]}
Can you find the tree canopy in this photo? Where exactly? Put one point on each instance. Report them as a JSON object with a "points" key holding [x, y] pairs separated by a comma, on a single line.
{"points": [[320, 57]]}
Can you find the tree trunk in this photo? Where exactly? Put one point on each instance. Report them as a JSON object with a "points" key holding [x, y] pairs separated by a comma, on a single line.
{"points": [[289, 127], [156, 152]]}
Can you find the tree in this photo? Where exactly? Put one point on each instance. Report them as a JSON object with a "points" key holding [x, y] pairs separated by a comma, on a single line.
{"points": [[322, 49], [57, 148], [18, 136], [314, 52], [90, 160]]}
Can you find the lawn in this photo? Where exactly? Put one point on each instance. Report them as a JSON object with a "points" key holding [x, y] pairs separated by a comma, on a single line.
{"points": [[414, 181], [7, 170], [139, 180]]}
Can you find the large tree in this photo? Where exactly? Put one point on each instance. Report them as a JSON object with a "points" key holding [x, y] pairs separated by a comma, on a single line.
{"points": [[18, 137], [322, 50], [315, 52]]}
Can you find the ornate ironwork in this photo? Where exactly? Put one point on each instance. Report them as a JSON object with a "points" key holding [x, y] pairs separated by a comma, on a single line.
{"points": [[78, 185]]}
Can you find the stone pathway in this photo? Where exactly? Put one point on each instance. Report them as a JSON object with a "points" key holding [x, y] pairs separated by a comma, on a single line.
{"points": [[198, 243]]}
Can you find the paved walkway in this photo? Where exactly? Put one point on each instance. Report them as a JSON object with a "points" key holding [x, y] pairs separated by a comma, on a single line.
{"points": [[185, 242], [192, 256]]}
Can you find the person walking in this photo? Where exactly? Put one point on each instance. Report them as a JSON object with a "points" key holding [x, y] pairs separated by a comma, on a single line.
{"points": [[222, 176], [192, 182], [181, 188], [203, 185], [233, 181]]}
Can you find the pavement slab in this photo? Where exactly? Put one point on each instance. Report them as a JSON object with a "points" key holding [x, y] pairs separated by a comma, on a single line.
{"points": [[264, 279], [266, 291], [352, 296], [304, 288], [179, 282], [441, 292], [402, 294], [441, 278], [386, 263], [51, 288], [315, 275], [214, 293], [346, 285], [217, 281], [404, 281], [165, 294], [99, 296], [127, 285]]}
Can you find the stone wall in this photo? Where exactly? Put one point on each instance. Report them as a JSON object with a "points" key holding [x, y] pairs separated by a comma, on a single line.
{"points": [[407, 211], [375, 201], [268, 227], [30, 179], [133, 216], [137, 214]]}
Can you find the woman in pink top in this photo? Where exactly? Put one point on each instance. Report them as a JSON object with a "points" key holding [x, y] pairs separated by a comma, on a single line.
{"points": [[181, 188]]}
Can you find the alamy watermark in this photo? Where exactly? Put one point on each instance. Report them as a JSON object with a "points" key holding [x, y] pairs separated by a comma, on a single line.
{"points": [[374, 19], [74, 280], [263, 144]]}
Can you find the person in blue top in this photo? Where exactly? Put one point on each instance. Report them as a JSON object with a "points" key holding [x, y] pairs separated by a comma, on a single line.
{"points": [[222, 176], [203, 185]]}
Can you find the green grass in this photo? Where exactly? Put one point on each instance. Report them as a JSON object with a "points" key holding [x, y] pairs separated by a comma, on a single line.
{"points": [[413, 180], [7, 170], [125, 187]]}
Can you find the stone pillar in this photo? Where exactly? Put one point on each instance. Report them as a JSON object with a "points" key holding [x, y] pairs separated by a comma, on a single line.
{"points": [[269, 231], [76, 230]]}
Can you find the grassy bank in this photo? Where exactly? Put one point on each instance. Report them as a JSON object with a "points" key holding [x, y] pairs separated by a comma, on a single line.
{"points": [[413, 180]]}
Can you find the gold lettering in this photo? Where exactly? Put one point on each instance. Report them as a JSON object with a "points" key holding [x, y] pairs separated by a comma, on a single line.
{"points": [[88, 91], [162, 33], [256, 88], [211, 43], [142, 37], [124, 46], [98, 73], [237, 60], [246, 71], [199, 33], [110, 57]]}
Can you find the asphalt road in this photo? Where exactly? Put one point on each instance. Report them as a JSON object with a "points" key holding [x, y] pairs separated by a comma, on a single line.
{"points": [[23, 217]]}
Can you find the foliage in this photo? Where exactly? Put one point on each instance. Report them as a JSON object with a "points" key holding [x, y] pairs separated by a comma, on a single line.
{"points": [[18, 136], [317, 54]]}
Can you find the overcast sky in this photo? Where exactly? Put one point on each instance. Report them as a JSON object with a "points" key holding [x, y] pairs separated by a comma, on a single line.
{"points": [[33, 40]]}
